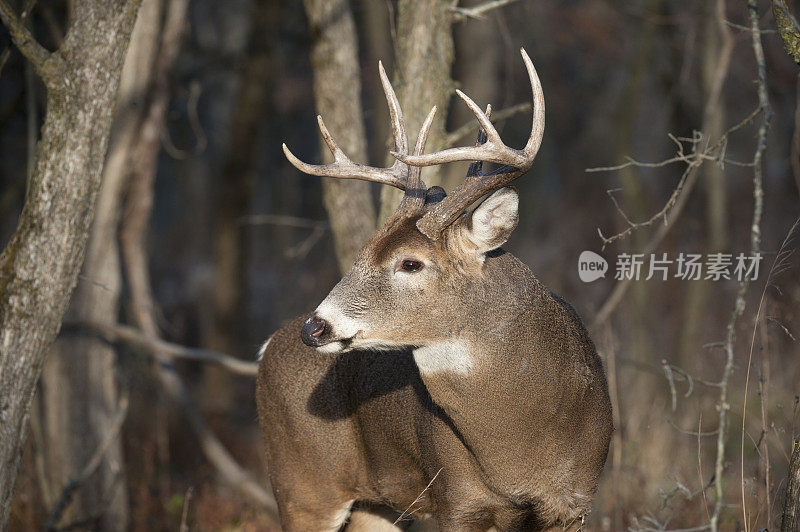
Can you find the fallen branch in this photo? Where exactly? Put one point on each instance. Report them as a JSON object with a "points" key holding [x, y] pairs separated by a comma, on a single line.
{"points": [[227, 467]]}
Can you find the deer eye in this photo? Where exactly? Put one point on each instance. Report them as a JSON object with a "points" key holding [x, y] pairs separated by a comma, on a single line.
{"points": [[409, 265]]}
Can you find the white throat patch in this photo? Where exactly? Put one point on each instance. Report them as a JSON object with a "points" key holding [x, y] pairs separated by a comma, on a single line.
{"points": [[451, 357]]}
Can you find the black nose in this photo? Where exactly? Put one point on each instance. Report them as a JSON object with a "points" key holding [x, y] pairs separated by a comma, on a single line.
{"points": [[313, 331]]}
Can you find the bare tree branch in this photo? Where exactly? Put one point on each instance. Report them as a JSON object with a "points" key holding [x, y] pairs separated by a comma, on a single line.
{"points": [[27, 43], [133, 237], [691, 174], [23, 17], [478, 12], [693, 160], [115, 334]]}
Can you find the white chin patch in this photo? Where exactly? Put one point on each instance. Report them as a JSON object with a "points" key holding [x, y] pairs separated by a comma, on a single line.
{"points": [[444, 357], [341, 326], [331, 348]]}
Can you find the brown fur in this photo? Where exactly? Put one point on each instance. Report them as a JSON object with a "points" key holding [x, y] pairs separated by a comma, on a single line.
{"points": [[517, 442]]}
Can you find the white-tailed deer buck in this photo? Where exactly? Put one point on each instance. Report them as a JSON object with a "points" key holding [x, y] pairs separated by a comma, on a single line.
{"points": [[439, 376]]}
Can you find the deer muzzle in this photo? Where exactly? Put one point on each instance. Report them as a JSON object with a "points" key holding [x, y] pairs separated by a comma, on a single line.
{"points": [[315, 331]]}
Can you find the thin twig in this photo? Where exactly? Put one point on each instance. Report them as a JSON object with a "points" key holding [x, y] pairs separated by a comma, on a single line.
{"points": [[693, 161], [700, 464], [747, 28], [671, 380], [302, 248], [776, 269], [692, 432], [415, 501], [690, 176]]}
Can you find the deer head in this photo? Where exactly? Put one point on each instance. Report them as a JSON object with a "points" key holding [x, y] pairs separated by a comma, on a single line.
{"points": [[428, 271]]}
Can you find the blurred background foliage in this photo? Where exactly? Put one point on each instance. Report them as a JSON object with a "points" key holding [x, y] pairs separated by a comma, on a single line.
{"points": [[239, 242]]}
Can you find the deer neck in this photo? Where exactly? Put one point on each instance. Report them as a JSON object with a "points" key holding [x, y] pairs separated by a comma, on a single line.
{"points": [[486, 372]]}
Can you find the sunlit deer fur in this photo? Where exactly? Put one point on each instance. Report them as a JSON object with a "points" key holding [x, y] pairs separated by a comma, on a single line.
{"points": [[441, 377]]}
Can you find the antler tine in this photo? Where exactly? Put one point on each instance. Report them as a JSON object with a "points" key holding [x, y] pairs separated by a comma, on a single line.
{"points": [[537, 125], [419, 147], [395, 113], [414, 198], [494, 150], [343, 167], [475, 167], [516, 162]]}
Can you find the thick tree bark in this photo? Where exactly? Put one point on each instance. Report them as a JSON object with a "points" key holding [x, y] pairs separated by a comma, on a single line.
{"points": [[422, 78], [79, 392], [337, 90], [40, 265], [791, 509]]}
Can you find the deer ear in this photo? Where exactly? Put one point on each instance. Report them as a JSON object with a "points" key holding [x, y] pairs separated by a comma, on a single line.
{"points": [[494, 220]]}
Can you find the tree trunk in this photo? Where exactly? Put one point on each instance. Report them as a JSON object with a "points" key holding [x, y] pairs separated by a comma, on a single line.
{"points": [[133, 235], [422, 78], [40, 265], [479, 75], [226, 330], [337, 91], [718, 42], [375, 24], [791, 509], [79, 389]]}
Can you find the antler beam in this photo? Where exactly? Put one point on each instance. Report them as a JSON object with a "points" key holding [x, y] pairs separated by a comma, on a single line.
{"points": [[343, 167], [516, 162]]}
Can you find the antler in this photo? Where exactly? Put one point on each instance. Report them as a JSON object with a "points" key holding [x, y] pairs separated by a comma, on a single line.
{"points": [[516, 162], [399, 175]]}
